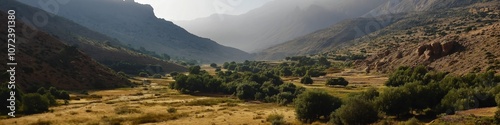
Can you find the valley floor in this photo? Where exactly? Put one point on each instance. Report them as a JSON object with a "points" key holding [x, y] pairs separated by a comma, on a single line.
{"points": [[157, 104]]}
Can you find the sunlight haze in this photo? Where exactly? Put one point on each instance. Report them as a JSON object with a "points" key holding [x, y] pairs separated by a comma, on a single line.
{"points": [[192, 9]]}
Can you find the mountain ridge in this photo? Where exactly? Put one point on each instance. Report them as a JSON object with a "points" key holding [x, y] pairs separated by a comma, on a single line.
{"points": [[136, 25], [45, 61], [267, 26], [100, 47]]}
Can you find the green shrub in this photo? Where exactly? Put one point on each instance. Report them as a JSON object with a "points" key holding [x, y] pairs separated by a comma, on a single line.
{"points": [[35, 103], [311, 105], [156, 76], [355, 112], [276, 119], [123, 74], [284, 98], [306, 80], [247, 90], [337, 81], [213, 65], [412, 121], [143, 74], [394, 102]]}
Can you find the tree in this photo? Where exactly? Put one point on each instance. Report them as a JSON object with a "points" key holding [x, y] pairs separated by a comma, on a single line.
{"points": [[247, 90], [64, 95], [173, 74], [194, 70], [156, 76], [337, 81], [394, 102], [225, 65], [357, 111], [306, 80], [311, 105], [53, 91], [51, 99], [41, 90], [286, 71], [213, 65], [35, 103]]}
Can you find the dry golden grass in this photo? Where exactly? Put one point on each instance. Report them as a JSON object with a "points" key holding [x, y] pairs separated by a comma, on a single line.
{"points": [[151, 104]]}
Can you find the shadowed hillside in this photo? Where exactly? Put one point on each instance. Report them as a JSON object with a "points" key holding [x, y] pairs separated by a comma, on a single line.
{"points": [[102, 48], [45, 61], [136, 25]]}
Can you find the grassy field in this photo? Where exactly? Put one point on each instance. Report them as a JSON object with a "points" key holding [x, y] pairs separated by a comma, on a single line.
{"points": [[157, 104]]}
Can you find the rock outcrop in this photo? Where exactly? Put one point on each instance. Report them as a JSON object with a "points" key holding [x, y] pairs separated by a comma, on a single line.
{"points": [[437, 50]]}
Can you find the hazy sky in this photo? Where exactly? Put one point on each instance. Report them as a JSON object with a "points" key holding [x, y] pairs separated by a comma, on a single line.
{"points": [[192, 9]]}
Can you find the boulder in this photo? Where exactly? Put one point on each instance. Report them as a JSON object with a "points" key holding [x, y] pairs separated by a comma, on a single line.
{"points": [[437, 49], [421, 49], [449, 47]]}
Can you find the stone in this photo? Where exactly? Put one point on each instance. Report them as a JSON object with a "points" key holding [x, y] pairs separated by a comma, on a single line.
{"points": [[449, 47], [437, 48]]}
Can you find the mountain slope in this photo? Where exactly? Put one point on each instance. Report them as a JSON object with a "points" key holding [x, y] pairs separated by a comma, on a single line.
{"points": [[342, 34], [136, 25], [327, 39], [104, 49], [45, 61], [458, 40], [401, 6], [276, 22]]}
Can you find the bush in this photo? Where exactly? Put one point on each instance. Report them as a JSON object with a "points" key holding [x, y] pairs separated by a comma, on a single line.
{"points": [[412, 121], [337, 81], [64, 95], [194, 70], [173, 74], [143, 74], [247, 90], [355, 112], [394, 102], [284, 98], [122, 74], [51, 98], [213, 65], [41, 91], [276, 119], [306, 80], [156, 76], [35, 103], [171, 110], [311, 105]]}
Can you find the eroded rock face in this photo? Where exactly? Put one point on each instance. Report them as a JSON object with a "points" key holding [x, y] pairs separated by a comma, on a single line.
{"points": [[437, 50], [449, 47]]}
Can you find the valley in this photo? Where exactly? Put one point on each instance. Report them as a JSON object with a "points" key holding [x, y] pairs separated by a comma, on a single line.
{"points": [[383, 62]]}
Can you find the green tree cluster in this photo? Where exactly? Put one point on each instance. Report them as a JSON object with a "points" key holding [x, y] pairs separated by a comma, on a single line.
{"points": [[337, 81], [264, 86]]}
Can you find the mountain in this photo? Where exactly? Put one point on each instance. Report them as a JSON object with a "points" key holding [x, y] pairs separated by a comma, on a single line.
{"points": [[459, 40], [43, 60], [276, 22], [342, 34], [104, 49], [135, 25], [327, 39], [401, 6]]}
